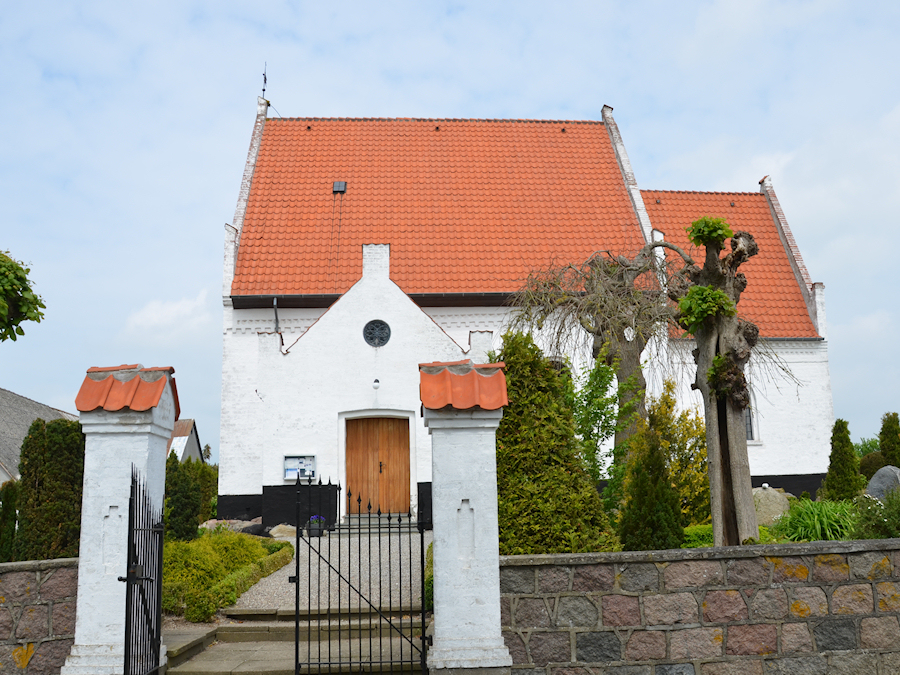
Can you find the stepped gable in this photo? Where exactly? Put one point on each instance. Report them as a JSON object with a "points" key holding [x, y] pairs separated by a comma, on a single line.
{"points": [[774, 299], [468, 206]]}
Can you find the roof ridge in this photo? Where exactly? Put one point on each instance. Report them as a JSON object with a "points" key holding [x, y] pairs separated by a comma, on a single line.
{"points": [[702, 192], [430, 119]]}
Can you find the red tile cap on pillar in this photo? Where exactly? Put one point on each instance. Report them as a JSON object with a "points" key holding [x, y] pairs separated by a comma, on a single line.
{"points": [[125, 387], [462, 385]]}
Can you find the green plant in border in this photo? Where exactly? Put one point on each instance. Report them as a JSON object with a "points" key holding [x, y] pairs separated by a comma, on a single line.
{"points": [[547, 502], [709, 230], [807, 520], [701, 303], [843, 480], [889, 438], [9, 492], [877, 519], [51, 467]]}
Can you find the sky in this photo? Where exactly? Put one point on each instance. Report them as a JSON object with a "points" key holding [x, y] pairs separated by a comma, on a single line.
{"points": [[124, 131]]}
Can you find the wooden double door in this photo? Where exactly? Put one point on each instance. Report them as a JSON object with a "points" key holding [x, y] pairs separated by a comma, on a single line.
{"points": [[378, 464]]}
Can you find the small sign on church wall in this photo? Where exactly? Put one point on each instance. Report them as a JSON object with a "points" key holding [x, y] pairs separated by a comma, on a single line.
{"points": [[299, 466]]}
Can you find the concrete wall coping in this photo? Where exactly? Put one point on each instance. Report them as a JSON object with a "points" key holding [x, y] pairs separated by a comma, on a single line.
{"points": [[716, 553], [37, 565]]}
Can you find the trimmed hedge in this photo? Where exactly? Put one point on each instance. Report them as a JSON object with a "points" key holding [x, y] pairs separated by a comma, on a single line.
{"points": [[212, 571]]}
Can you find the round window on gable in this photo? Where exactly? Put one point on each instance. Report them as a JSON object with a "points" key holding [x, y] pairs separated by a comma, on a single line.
{"points": [[377, 333]]}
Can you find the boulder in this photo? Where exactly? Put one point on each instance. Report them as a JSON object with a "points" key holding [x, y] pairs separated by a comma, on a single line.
{"points": [[283, 531], [887, 478], [770, 504], [255, 529]]}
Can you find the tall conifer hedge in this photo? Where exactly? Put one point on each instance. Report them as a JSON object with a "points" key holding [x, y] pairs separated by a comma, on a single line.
{"points": [[843, 480], [547, 501], [51, 467]]}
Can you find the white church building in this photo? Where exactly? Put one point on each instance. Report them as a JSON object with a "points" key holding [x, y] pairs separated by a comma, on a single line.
{"points": [[361, 248]]}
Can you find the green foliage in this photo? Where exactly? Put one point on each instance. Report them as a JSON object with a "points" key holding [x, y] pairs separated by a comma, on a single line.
{"points": [[18, 302], [214, 570], [701, 536], [807, 520], [709, 230], [701, 303], [877, 519], [597, 414], [683, 440], [866, 446], [889, 438], [206, 476], [870, 463], [842, 480], [651, 516], [183, 500], [51, 467], [547, 501], [8, 495], [428, 601]]}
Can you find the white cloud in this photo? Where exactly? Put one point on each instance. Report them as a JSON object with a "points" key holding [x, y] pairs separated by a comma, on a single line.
{"points": [[167, 322]]}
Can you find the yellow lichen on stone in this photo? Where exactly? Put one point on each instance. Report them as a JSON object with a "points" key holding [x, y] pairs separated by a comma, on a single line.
{"points": [[22, 655], [797, 571], [834, 562], [800, 608], [880, 569]]}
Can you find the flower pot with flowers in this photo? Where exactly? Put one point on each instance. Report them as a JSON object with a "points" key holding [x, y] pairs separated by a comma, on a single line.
{"points": [[315, 526]]}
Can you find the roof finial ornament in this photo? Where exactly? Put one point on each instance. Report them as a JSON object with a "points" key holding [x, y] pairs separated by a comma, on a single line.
{"points": [[265, 80]]}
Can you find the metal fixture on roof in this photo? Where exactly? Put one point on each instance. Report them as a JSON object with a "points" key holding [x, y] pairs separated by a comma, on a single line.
{"points": [[437, 128], [657, 201], [308, 127], [564, 130], [732, 203], [339, 186]]}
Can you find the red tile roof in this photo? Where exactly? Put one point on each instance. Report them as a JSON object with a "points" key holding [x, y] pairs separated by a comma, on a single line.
{"points": [[468, 206], [773, 300], [139, 390], [462, 385]]}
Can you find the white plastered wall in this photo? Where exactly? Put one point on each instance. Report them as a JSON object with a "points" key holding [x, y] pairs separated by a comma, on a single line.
{"points": [[290, 394], [791, 404]]}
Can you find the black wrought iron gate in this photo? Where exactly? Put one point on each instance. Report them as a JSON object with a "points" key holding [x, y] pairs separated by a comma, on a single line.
{"points": [[143, 595], [359, 586]]}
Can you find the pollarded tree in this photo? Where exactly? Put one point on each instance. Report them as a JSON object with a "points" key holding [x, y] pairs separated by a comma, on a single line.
{"points": [[707, 308], [889, 438], [843, 480], [18, 302]]}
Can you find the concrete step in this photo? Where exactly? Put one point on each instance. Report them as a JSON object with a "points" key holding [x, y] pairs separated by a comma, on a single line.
{"points": [[284, 614]]}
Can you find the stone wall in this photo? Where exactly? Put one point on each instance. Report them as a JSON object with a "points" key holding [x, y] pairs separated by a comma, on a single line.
{"points": [[799, 609], [37, 614]]}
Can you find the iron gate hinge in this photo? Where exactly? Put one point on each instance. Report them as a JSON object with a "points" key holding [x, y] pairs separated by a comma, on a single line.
{"points": [[292, 580]]}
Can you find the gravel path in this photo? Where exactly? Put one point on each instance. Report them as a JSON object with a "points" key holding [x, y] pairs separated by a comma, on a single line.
{"points": [[347, 562]]}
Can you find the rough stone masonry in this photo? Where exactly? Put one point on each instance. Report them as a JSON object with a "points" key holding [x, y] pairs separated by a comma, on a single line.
{"points": [[821, 608]]}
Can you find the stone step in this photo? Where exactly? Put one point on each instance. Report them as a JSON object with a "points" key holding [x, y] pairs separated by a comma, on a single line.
{"points": [[287, 614], [277, 658]]}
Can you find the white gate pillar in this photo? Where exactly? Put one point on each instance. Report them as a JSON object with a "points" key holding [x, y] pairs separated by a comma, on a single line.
{"points": [[462, 406], [127, 414]]}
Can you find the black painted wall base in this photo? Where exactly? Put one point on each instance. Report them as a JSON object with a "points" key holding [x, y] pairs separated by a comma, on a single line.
{"points": [[239, 507]]}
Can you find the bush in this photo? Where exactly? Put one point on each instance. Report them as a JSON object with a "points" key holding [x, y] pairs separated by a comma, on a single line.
{"points": [[877, 519], [842, 480], [428, 600], [49, 501], [701, 536], [206, 477], [889, 438], [183, 501], [8, 494], [214, 570], [547, 501], [870, 463], [651, 517], [807, 520], [865, 446]]}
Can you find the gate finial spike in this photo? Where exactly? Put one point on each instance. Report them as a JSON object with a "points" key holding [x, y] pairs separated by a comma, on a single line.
{"points": [[379, 512], [369, 507]]}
